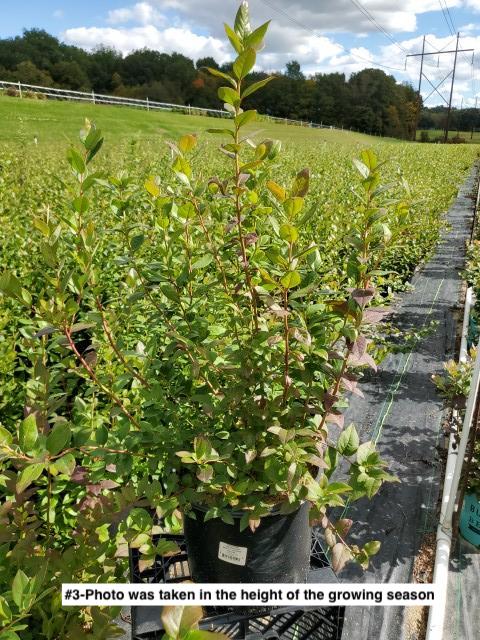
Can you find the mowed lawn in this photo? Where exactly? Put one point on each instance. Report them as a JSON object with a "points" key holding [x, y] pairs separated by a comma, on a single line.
{"points": [[22, 120]]}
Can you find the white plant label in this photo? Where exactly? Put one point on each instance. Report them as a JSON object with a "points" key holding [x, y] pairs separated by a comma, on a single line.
{"points": [[233, 555]]}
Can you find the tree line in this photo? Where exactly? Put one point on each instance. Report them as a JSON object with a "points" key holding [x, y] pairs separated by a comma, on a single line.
{"points": [[370, 100]]}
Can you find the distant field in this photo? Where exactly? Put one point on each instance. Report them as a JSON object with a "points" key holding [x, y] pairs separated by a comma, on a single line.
{"points": [[467, 135], [22, 119]]}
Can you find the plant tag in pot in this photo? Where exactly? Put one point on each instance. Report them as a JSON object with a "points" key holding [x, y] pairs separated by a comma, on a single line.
{"points": [[232, 554]]}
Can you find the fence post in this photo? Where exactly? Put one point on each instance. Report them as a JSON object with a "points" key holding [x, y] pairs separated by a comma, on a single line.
{"points": [[148, 105], [189, 110], [93, 96], [20, 89]]}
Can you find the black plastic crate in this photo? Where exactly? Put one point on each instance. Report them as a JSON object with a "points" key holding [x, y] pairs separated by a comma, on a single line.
{"points": [[323, 623]]}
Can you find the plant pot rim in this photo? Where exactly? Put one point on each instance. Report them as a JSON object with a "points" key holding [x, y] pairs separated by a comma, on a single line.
{"points": [[239, 513]]}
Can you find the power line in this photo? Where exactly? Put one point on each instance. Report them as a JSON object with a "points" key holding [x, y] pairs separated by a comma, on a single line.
{"points": [[446, 16], [302, 26], [378, 26]]}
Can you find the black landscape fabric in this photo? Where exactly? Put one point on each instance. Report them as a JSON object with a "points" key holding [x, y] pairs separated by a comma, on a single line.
{"points": [[403, 413]]}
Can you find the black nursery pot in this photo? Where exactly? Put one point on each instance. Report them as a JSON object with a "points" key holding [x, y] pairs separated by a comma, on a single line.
{"points": [[278, 551]]}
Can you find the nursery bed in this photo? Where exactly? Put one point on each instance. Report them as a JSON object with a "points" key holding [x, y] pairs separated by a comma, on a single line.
{"points": [[402, 412]]}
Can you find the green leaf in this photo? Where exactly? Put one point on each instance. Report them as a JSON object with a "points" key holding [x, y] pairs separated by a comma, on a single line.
{"points": [[244, 118], [244, 63], [228, 95], [242, 22], [137, 241], [80, 204], [177, 621], [256, 38], [76, 161], [28, 433], [361, 168], [372, 548], [5, 436], [152, 187], [58, 438], [234, 39], [92, 139], [29, 475], [293, 206], [94, 150], [65, 465], [256, 86], [349, 441], [187, 143], [364, 450], [203, 262], [5, 611], [10, 285], [200, 634], [10, 634], [19, 587], [290, 280], [228, 132], [369, 159], [289, 233], [220, 74]]}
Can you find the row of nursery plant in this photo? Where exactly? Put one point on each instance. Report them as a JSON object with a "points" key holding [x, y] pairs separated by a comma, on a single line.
{"points": [[180, 330]]}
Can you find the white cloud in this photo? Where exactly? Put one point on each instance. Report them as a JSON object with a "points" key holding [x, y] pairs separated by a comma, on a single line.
{"points": [[141, 13], [167, 40]]}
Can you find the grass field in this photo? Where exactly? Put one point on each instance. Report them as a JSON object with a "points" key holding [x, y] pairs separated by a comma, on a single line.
{"points": [[439, 133], [22, 119]]}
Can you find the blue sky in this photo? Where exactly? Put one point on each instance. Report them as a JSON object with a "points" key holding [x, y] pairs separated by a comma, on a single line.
{"points": [[323, 35]]}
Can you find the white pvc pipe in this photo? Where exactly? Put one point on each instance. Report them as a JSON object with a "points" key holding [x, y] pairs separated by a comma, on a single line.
{"points": [[455, 458]]}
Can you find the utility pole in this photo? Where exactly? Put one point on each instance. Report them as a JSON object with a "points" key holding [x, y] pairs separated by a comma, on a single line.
{"points": [[447, 125], [419, 95], [474, 118], [435, 88]]}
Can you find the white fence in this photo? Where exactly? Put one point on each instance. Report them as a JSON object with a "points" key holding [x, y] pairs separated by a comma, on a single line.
{"points": [[21, 89]]}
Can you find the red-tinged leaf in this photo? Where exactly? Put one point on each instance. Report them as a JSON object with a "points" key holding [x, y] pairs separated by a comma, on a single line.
{"points": [[375, 314], [335, 355], [334, 418], [343, 526], [349, 385], [278, 311], [94, 489], [108, 484], [330, 538], [317, 462], [359, 347], [178, 621], [205, 474], [340, 556], [365, 359], [363, 296], [253, 524], [329, 401], [300, 184], [80, 475]]}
